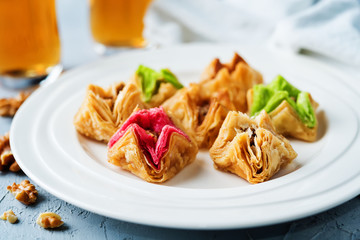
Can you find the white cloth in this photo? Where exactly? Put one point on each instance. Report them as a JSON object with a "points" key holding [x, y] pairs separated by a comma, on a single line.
{"points": [[328, 27]]}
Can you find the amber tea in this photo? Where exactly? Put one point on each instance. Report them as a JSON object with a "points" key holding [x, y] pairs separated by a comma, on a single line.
{"points": [[29, 40], [118, 23]]}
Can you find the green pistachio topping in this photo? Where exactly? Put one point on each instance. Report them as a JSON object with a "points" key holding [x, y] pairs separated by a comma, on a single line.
{"points": [[150, 81], [271, 96], [305, 110]]}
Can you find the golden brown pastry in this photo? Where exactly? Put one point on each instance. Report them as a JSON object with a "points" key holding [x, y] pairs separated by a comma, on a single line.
{"points": [[235, 78], [202, 107], [155, 86], [202, 117], [150, 146], [165, 91], [104, 110], [292, 111], [250, 148]]}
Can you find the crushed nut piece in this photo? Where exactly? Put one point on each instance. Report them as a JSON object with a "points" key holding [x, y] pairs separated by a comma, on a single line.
{"points": [[14, 167], [10, 216], [49, 220], [4, 141], [24, 192], [9, 106], [7, 160]]}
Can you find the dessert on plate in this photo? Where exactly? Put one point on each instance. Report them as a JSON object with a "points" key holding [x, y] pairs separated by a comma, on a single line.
{"points": [[291, 111], [202, 117], [202, 107], [104, 110], [156, 87], [250, 148], [154, 126], [151, 146], [235, 78]]}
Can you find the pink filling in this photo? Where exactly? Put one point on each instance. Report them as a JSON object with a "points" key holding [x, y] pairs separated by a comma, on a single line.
{"points": [[156, 121]]}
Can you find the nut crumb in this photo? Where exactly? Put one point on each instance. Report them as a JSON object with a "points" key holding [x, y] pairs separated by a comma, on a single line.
{"points": [[7, 160], [9, 106], [9, 216], [24, 192], [14, 167], [49, 220]]}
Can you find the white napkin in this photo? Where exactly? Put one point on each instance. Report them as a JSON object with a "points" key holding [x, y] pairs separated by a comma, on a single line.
{"points": [[328, 27]]}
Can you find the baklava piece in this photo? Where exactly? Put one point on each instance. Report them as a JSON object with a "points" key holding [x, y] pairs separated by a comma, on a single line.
{"points": [[104, 110], [150, 146], [202, 107], [250, 148], [292, 111], [235, 78], [201, 116], [156, 87]]}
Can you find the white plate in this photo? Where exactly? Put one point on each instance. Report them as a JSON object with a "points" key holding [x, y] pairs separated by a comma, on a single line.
{"points": [[73, 168]]}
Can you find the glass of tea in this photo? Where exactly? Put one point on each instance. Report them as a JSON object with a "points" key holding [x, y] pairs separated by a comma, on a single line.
{"points": [[118, 24], [29, 41]]}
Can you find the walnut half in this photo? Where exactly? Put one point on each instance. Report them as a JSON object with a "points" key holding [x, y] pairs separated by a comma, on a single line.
{"points": [[7, 160], [24, 192], [9, 106], [9, 216], [49, 220]]}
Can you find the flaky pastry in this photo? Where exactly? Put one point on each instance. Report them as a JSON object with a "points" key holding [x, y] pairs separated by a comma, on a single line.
{"points": [[150, 146], [104, 110], [203, 107], [202, 117], [164, 92], [250, 148], [235, 78], [292, 112]]}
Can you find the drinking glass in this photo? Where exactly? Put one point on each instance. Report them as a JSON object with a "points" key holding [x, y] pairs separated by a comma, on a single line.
{"points": [[118, 24], [29, 41]]}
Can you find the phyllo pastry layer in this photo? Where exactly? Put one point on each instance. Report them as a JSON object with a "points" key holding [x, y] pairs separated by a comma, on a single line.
{"points": [[202, 107], [104, 110], [292, 111], [150, 146], [235, 77], [201, 116], [250, 148], [156, 87]]}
